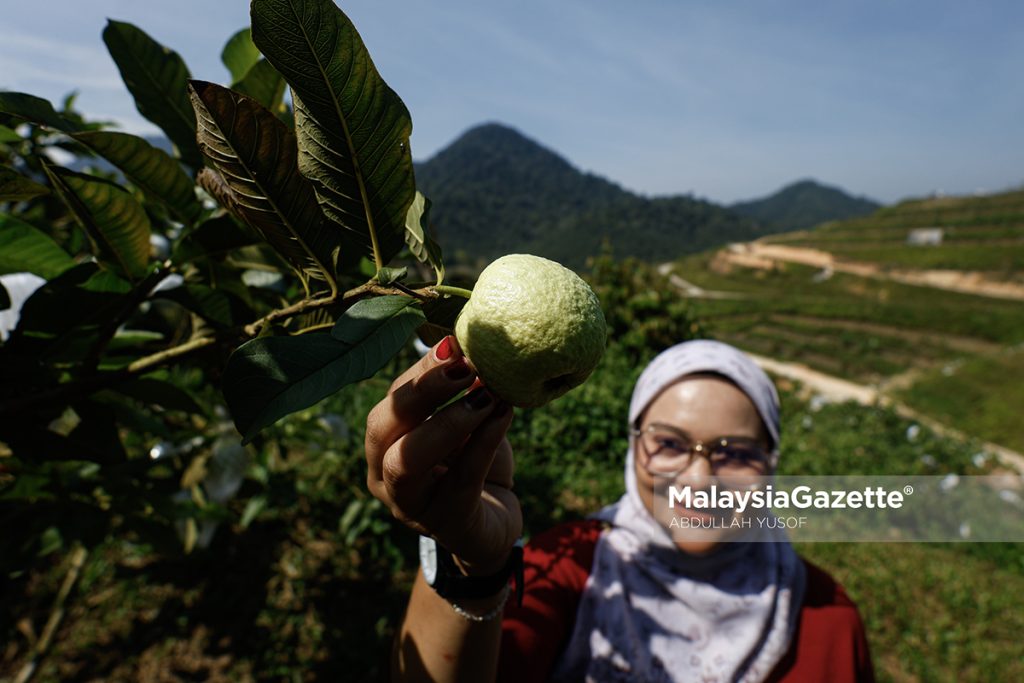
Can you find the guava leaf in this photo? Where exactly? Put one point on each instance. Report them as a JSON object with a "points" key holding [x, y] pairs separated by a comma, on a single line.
{"points": [[214, 184], [153, 391], [264, 84], [389, 276], [417, 235], [352, 129], [61, 320], [115, 222], [15, 187], [270, 377], [34, 109], [215, 306], [239, 54], [26, 249], [8, 135], [255, 155], [156, 77], [213, 239], [152, 169], [363, 318]]}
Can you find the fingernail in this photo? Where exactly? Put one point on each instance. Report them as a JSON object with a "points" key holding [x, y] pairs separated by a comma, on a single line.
{"points": [[479, 399], [458, 370], [444, 349]]}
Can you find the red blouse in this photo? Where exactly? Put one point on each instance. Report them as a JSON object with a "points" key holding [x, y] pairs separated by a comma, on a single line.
{"points": [[830, 644]]}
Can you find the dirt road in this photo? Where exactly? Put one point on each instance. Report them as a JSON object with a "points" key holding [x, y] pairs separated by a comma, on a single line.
{"points": [[692, 291], [759, 254]]}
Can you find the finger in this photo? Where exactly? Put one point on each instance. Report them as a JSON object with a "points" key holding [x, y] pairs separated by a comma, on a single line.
{"points": [[478, 459], [413, 397], [445, 351], [407, 465], [503, 468]]}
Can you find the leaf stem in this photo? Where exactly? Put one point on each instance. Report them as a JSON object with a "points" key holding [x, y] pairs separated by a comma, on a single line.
{"points": [[448, 290]]}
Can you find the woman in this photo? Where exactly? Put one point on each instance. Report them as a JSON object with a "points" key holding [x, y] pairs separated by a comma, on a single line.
{"points": [[622, 596]]}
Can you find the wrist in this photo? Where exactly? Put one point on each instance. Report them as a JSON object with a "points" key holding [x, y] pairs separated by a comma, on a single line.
{"points": [[469, 582], [481, 609], [485, 568]]}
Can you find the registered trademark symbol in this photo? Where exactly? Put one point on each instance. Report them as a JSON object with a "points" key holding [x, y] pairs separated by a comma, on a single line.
{"points": [[908, 489]]}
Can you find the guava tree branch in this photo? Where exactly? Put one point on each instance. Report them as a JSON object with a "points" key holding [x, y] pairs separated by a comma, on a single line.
{"points": [[346, 299], [86, 385]]}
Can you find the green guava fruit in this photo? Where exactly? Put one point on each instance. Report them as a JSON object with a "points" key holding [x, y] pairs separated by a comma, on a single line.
{"points": [[532, 329]]}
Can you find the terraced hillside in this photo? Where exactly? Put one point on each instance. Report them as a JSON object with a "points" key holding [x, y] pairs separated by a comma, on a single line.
{"points": [[983, 234], [957, 356]]}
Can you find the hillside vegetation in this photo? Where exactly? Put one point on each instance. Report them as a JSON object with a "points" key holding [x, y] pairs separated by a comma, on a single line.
{"points": [[494, 191], [805, 204]]}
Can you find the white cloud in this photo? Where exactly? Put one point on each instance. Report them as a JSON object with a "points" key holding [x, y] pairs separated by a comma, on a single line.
{"points": [[27, 60]]}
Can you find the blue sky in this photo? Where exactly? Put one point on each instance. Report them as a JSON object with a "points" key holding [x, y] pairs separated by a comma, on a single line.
{"points": [[723, 100]]}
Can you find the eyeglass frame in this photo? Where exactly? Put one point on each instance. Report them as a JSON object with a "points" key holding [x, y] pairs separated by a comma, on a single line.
{"points": [[698, 447]]}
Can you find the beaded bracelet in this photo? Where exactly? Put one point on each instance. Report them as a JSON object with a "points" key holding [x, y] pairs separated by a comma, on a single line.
{"points": [[489, 615]]}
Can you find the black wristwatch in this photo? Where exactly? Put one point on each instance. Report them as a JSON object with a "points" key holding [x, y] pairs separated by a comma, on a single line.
{"points": [[443, 575]]}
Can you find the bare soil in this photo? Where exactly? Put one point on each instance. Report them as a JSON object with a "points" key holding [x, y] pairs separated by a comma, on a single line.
{"points": [[765, 256]]}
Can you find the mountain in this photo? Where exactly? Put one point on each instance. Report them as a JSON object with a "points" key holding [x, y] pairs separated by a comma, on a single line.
{"points": [[805, 204], [495, 191]]}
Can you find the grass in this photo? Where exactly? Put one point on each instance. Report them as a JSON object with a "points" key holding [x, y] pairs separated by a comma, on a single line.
{"points": [[981, 395], [931, 613], [867, 356]]}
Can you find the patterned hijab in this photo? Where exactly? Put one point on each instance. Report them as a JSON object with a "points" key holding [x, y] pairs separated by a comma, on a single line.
{"points": [[651, 612]]}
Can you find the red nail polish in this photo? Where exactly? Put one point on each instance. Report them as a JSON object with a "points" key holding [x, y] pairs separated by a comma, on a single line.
{"points": [[444, 349], [481, 398], [458, 370]]}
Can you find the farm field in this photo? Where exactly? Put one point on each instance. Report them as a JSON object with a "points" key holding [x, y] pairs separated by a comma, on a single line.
{"points": [[951, 355]]}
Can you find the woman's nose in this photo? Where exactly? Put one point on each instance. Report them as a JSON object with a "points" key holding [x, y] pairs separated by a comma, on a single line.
{"points": [[698, 473]]}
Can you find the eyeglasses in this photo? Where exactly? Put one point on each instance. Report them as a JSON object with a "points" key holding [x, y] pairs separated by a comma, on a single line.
{"points": [[669, 452]]}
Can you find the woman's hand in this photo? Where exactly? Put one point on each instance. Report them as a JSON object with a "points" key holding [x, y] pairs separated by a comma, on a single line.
{"points": [[446, 473]]}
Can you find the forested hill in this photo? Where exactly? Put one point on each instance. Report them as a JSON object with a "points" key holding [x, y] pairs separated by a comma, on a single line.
{"points": [[805, 204], [495, 191]]}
